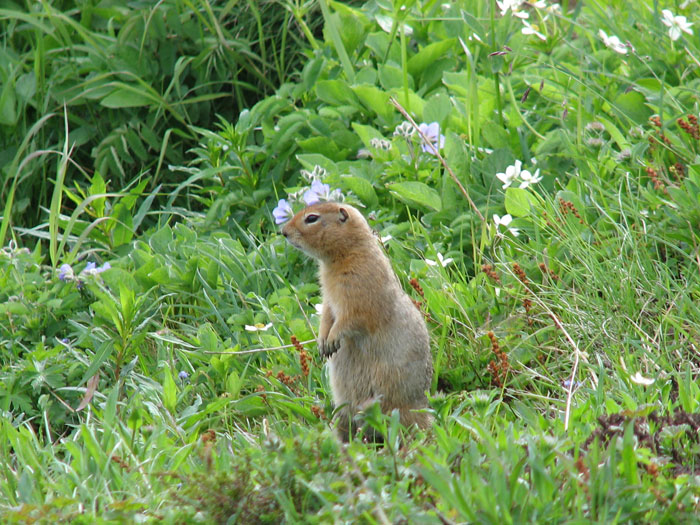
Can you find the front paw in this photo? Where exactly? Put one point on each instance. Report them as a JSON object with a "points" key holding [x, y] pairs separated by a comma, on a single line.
{"points": [[328, 347]]}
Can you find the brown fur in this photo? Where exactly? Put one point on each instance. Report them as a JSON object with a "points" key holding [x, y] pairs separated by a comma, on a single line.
{"points": [[376, 338]]}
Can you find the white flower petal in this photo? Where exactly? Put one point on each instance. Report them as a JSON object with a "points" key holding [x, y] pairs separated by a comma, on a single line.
{"points": [[641, 380]]}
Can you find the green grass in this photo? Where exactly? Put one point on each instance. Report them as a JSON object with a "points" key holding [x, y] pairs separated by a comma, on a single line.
{"points": [[167, 388]]}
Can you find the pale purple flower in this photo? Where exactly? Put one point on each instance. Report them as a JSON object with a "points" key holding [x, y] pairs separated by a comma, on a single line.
{"points": [[320, 192], [183, 375], [316, 193], [432, 133], [91, 268], [283, 212], [65, 272]]}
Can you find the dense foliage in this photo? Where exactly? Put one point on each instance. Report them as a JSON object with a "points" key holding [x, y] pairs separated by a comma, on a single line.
{"points": [[532, 170]]}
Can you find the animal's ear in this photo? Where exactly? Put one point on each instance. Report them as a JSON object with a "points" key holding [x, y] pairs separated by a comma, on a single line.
{"points": [[344, 215]]}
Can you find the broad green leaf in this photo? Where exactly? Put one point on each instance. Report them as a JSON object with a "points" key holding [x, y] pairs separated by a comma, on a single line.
{"points": [[169, 390], [428, 55], [375, 100], [414, 192], [633, 105], [366, 133], [233, 384], [311, 160], [323, 146], [126, 98], [362, 188], [494, 135], [437, 108], [517, 202], [123, 225], [391, 76], [336, 92], [8, 105]]}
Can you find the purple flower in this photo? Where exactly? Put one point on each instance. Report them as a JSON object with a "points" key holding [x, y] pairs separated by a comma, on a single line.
{"points": [[317, 192], [432, 133], [183, 375], [91, 268], [283, 212], [65, 272]]}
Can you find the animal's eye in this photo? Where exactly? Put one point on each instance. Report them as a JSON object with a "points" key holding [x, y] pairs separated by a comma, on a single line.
{"points": [[311, 218]]}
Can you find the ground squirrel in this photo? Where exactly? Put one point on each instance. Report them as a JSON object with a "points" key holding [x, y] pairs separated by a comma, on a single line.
{"points": [[372, 332]]}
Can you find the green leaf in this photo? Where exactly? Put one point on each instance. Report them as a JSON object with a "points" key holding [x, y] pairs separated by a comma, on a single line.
{"points": [[101, 355], [362, 188], [633, 106], [375, 100], [391, 76], [126, 98], [336, 92], [494, 135], [428, 55], [8, 105], [123, 225], [366, 133], [517, 202], [169, 390], [413, 192], [437, 108], [323, 146]]}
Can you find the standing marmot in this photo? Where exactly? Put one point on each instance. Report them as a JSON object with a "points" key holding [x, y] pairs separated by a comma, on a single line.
{"points": [[375, 337]]}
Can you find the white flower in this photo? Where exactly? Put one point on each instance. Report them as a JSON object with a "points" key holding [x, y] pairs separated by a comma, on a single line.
{"points": [[405, 129], [527, 178], [530, 30], [641, 380], [505, 221], [502, 221], [317, 173], [440, 260], [613, 42], [676, 24], [258, 327], [514, 6], [512, 172]]}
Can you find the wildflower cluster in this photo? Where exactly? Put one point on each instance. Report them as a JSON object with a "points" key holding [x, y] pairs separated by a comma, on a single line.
{"points": [[517, 8], [316, 192], [431, 140], [514, 174], [67, 274]]}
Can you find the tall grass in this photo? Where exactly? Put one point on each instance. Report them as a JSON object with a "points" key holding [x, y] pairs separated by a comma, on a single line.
{"points": [[182, 383]]}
